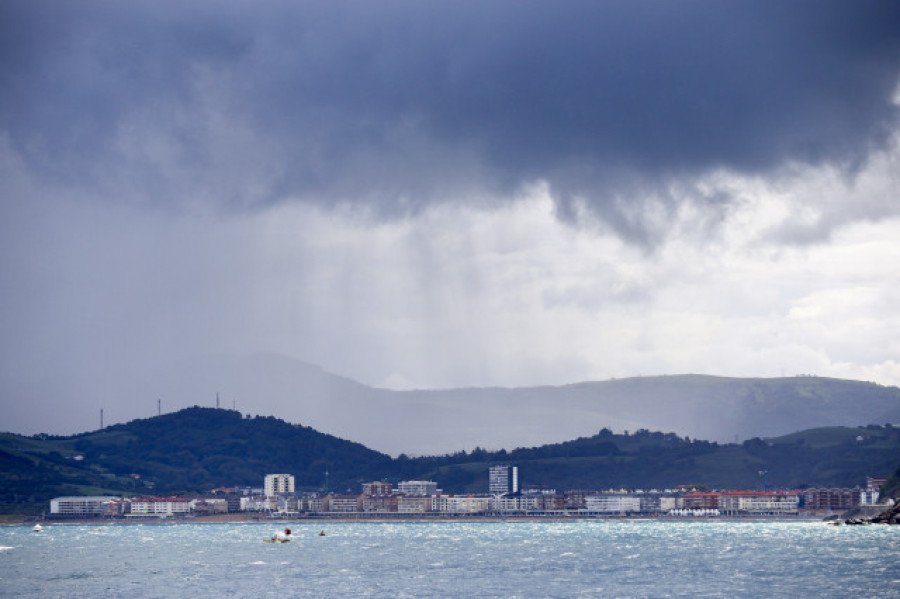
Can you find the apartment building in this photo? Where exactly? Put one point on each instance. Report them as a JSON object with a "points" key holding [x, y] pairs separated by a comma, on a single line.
{"points": [[160, 506], [279, 484], [86, 506], [345, 503], [613, 503], [418, 487], [503, 479], [377, 489]]}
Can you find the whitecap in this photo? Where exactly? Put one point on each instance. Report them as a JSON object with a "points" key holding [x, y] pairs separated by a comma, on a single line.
{"points": [[2, 548], [259, 563]]}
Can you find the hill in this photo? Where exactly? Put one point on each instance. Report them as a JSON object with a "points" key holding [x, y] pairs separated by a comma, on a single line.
{"points": [[193, 450], [831, 457], [430, 422], [198, 449]]}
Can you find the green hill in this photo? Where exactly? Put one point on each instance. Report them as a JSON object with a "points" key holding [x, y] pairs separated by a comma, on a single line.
{"points": [[192, 450], [198, 449], [832, 456]]}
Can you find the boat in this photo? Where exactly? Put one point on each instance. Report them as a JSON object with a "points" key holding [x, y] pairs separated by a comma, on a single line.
{"points": [[38, 528], [280, 537]]}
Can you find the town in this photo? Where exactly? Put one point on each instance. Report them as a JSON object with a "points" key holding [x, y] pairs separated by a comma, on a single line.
{"points": [[504, 498]]}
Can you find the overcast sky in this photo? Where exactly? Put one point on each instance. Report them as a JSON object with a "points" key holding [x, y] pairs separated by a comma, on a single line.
{"points": [[444, 194]]}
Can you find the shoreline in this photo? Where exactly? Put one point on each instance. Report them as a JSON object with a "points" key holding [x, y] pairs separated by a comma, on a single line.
{"points": [[406, 518]]}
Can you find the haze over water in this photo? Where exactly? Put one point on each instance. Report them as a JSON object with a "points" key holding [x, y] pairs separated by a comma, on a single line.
{"points": [[496, 559]]}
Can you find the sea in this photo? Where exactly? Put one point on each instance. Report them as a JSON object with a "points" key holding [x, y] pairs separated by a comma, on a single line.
{"points": [[584, 558]]}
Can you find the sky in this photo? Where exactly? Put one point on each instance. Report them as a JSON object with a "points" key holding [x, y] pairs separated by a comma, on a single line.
{"points": [[430, 195]]}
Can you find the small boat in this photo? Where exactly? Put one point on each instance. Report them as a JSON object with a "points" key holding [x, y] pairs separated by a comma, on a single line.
{"points": [[38, 528], [280, 537]]}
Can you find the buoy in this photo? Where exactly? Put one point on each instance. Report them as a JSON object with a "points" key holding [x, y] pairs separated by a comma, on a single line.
{"points": [[321, 533]]}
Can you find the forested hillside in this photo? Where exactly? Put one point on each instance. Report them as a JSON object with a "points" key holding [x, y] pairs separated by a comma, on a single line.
{"points": [[198, 449]]}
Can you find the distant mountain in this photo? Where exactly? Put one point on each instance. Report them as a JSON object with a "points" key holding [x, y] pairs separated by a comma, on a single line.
{"points": [[433, 422], [198, 449]]}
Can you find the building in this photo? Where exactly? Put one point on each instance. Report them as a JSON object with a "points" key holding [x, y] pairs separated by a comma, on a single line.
{"points": [[88, 506], [758, 503], [545, 499], [414, 504], [289, 504], [875, 482], [257, 503], [377, 489], [317, 503], [379, 503], [418, 487], [503, 480], [345, 503], [160, 506], [462, 504], [203, 506], [515, 503], [701, 500], [869, 496], [841, 499], [279, 484], [613, 503], [574, 498]]}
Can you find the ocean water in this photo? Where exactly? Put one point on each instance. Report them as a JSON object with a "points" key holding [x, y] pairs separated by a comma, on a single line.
{"points": [[450, 559]]}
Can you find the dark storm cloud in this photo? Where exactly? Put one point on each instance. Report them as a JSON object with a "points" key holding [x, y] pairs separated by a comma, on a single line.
{"points": [[399, 103]]}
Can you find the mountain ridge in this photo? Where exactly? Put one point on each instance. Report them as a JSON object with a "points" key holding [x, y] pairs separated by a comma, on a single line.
{"points": [[428, 422]]}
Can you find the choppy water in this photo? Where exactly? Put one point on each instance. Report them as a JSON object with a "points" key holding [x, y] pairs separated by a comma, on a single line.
{"points": [[490, 559]]}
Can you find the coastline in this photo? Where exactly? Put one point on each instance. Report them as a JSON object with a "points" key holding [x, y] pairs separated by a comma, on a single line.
{"points": [[16, 520]]}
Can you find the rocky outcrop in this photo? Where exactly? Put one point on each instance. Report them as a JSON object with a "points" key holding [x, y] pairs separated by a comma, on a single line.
{"points": [[889, 516]]}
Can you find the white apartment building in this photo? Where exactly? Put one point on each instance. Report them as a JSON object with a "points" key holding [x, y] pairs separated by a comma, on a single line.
{"points": [[258, 503], [418, 487], [279, 484], [516, 503], [159, 506], [868, 497], [88, 505], [758, 502], [612, 503], [462, 504]]}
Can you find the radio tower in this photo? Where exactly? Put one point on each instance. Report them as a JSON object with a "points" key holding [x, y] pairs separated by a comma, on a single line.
{"points": [[101, 419]]}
